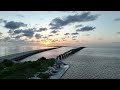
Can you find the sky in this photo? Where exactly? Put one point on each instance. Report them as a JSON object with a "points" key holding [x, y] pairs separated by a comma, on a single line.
{"points": [[60, 27]]}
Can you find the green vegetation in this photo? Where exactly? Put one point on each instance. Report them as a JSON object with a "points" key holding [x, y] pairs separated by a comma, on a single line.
{"points": [[11, 70], [5, 63], [43, 76]]}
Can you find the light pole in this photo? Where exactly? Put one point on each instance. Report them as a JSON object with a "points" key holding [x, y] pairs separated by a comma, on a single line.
{"points": [[5, 51], [23, 49], [5, 47], [0, 49]]}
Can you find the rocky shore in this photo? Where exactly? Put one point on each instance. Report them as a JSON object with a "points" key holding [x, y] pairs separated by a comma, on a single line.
{"points": [[53, 72]]}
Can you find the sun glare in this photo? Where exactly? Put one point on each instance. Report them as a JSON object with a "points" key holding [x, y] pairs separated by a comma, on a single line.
{"points": [[46, 43]]}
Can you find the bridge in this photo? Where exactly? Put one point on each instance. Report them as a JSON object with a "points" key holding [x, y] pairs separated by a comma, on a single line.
{"points": [[20, 56], [68, 53]]}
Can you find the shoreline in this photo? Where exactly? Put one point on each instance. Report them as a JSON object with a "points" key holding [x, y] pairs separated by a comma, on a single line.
{"points": [[51, 71], [63, 70]]}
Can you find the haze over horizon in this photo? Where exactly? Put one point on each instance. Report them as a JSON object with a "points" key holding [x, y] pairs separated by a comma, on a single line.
{"points": [[61, 27]]}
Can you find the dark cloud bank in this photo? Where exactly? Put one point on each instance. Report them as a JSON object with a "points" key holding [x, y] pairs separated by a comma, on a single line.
{"points": [[58, 23], [117, 19], [74, 33], [14, 25], [67, 34], [86, 28]]}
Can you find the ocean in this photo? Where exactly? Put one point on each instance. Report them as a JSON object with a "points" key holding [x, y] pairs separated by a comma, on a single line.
{"points": [[89, 63], [47, 54], [13, 49], [94, 63]]}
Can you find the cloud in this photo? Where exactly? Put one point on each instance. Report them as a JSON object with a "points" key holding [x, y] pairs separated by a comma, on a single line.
{"points": [[54, 31], [43, 40], [41, 29], [67, 34], [78, 26], [0, 33], [24, 32], [50, 35], [118, 32], [37, 36], [74, 37], [58, 23], [117, 19], [11, 32], [18, 31], [45, 37], [50, 39], [86, 28], [32, 41], [56, 34], [77, 40], [100, 39], [3, 21], [7, 38], [70, 11], [53, 41], [18, 37], [28, 33], [21, 16], [86, 35], [62, 38], [74, 33], [14, 25], [41, 35]]}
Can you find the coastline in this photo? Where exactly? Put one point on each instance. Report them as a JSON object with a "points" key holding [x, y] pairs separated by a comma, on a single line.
{"points": [[55, 70]]}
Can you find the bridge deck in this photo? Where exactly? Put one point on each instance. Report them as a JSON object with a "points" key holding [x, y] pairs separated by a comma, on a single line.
{"points": [[20, 56]]}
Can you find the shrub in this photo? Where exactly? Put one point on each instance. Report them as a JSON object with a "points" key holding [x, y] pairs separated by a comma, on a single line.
{"points": [[6, 63], [25, 70], [44, 76]]}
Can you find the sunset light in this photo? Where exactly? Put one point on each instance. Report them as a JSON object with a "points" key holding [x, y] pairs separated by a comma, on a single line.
{"points": [[60, 44]]}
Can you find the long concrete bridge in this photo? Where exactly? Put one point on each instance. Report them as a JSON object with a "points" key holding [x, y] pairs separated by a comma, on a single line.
{"points": [[20, 56], [68, 53]]}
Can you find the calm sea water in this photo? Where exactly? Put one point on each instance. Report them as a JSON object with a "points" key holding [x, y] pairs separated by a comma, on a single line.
{"points": [[103, 52], [13, 49], [48, 54], [94, 63], [89, 63]]}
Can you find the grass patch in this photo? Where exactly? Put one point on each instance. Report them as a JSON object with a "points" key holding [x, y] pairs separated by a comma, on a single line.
{"points": [[11, 70]]}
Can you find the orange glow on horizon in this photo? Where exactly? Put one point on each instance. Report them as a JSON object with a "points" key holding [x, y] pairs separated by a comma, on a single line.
{"points": [[46, 43]]}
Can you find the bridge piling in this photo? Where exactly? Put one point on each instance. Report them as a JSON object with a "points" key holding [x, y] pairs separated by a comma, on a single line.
{"points": [[68, 53]]}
